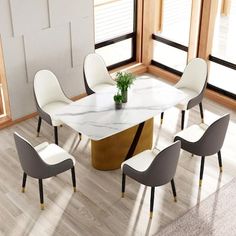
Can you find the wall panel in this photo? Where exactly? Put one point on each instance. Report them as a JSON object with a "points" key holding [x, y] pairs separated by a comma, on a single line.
{"points": [[44, 34]]}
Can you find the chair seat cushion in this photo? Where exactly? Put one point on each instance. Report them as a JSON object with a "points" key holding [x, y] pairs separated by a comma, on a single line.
{"points": [[53, 154], [52, 108], [192, 133], [190, 94], [141, 161]]}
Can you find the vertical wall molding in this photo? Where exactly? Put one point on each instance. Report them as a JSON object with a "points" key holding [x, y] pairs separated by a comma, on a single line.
{"points": [[10, 12], [25, 62], [49, 14], [71, 45]]}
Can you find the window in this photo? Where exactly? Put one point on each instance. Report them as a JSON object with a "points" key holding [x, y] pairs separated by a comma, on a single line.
{"points": [[115, 31], [222, 74], [171, 39]]}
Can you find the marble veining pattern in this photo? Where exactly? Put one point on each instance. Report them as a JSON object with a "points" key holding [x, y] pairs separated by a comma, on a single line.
{"points": [[95, 115]]}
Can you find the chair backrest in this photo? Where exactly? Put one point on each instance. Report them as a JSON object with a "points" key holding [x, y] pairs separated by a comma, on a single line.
{"points": [[212, 140], [194, 76], [30, 161], [47, 88], [95, 71], [163, 167]]}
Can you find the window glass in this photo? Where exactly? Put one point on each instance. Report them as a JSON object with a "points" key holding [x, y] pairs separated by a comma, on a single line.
{"points": [[176, 20], [121, 51], [113, 19]]}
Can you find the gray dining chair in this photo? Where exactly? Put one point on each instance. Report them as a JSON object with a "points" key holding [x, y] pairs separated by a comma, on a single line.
{"points": [[42, 162], [192, 83], [96, 75], [49, 98], [153, 169], [203, 140]]}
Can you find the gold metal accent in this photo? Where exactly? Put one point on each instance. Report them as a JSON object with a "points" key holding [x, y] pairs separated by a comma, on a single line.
{"points": [[42, 206], [122, 195], [161, 121], [151, 214], [202, 120], [74, 189], [200, 183], [108, 154], [175, 199], [23, 190], [37, 134], [221, 169]]}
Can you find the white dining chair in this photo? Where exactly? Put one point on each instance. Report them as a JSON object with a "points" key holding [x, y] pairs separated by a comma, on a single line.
{"points": [[203, 140], [96, 75], [193, 84], [153, 169], [49, 99], [42, 162]]}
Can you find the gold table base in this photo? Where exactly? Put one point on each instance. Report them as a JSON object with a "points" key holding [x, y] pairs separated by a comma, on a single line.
{"points": [[109, 153]]}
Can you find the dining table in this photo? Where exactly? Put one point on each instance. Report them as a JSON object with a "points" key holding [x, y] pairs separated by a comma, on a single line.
{"points": [[117, 135]]}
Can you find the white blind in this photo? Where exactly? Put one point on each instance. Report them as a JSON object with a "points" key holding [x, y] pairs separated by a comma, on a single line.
{"points": [[113, 19]]}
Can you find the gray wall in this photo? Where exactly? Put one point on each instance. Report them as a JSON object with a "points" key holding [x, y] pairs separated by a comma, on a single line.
{"points": [[44, 34]]}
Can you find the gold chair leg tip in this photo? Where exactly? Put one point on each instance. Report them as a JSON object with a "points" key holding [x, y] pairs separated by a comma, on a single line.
{"points": [[42, 206], [221, 169], [161, 121], [200, 183], [175, 199], [151, 215], [202, 120], [74, 188], [37, 134], [23, 190], [122, 195]]}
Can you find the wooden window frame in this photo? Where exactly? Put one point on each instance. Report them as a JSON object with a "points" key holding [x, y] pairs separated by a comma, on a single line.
{"points": [[5, 104]]}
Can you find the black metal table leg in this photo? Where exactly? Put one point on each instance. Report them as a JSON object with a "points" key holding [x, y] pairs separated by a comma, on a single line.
{"points": [[135, 141]]}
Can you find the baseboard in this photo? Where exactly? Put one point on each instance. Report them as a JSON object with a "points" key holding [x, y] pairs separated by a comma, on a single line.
{"points": [[135, 68]]}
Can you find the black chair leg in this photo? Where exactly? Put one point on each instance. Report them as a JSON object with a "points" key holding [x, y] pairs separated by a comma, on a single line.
{"points": [[39, 126], [201, 170], [152, 201], [173, 190], [162, 117], [73, 178], [123, 185], [220, 161], [56, 135], [182, 119], [24, 182], [41, 194], [201, 112]]}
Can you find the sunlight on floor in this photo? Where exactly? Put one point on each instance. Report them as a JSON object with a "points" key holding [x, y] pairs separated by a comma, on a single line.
{"points": [[51, 216]]}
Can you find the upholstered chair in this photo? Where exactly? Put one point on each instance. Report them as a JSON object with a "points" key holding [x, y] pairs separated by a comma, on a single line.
{"points": [[42, 162], [152, 169], [96, 76], [203, 140], [49, 99], [193, 84]]}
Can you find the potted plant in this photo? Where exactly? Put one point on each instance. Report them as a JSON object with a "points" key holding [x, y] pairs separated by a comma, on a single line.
{"points": [[123, 82], [118, 101]]}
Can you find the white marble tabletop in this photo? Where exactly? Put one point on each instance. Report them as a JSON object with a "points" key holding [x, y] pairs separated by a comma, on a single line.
{"points": [[95, 115]]}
